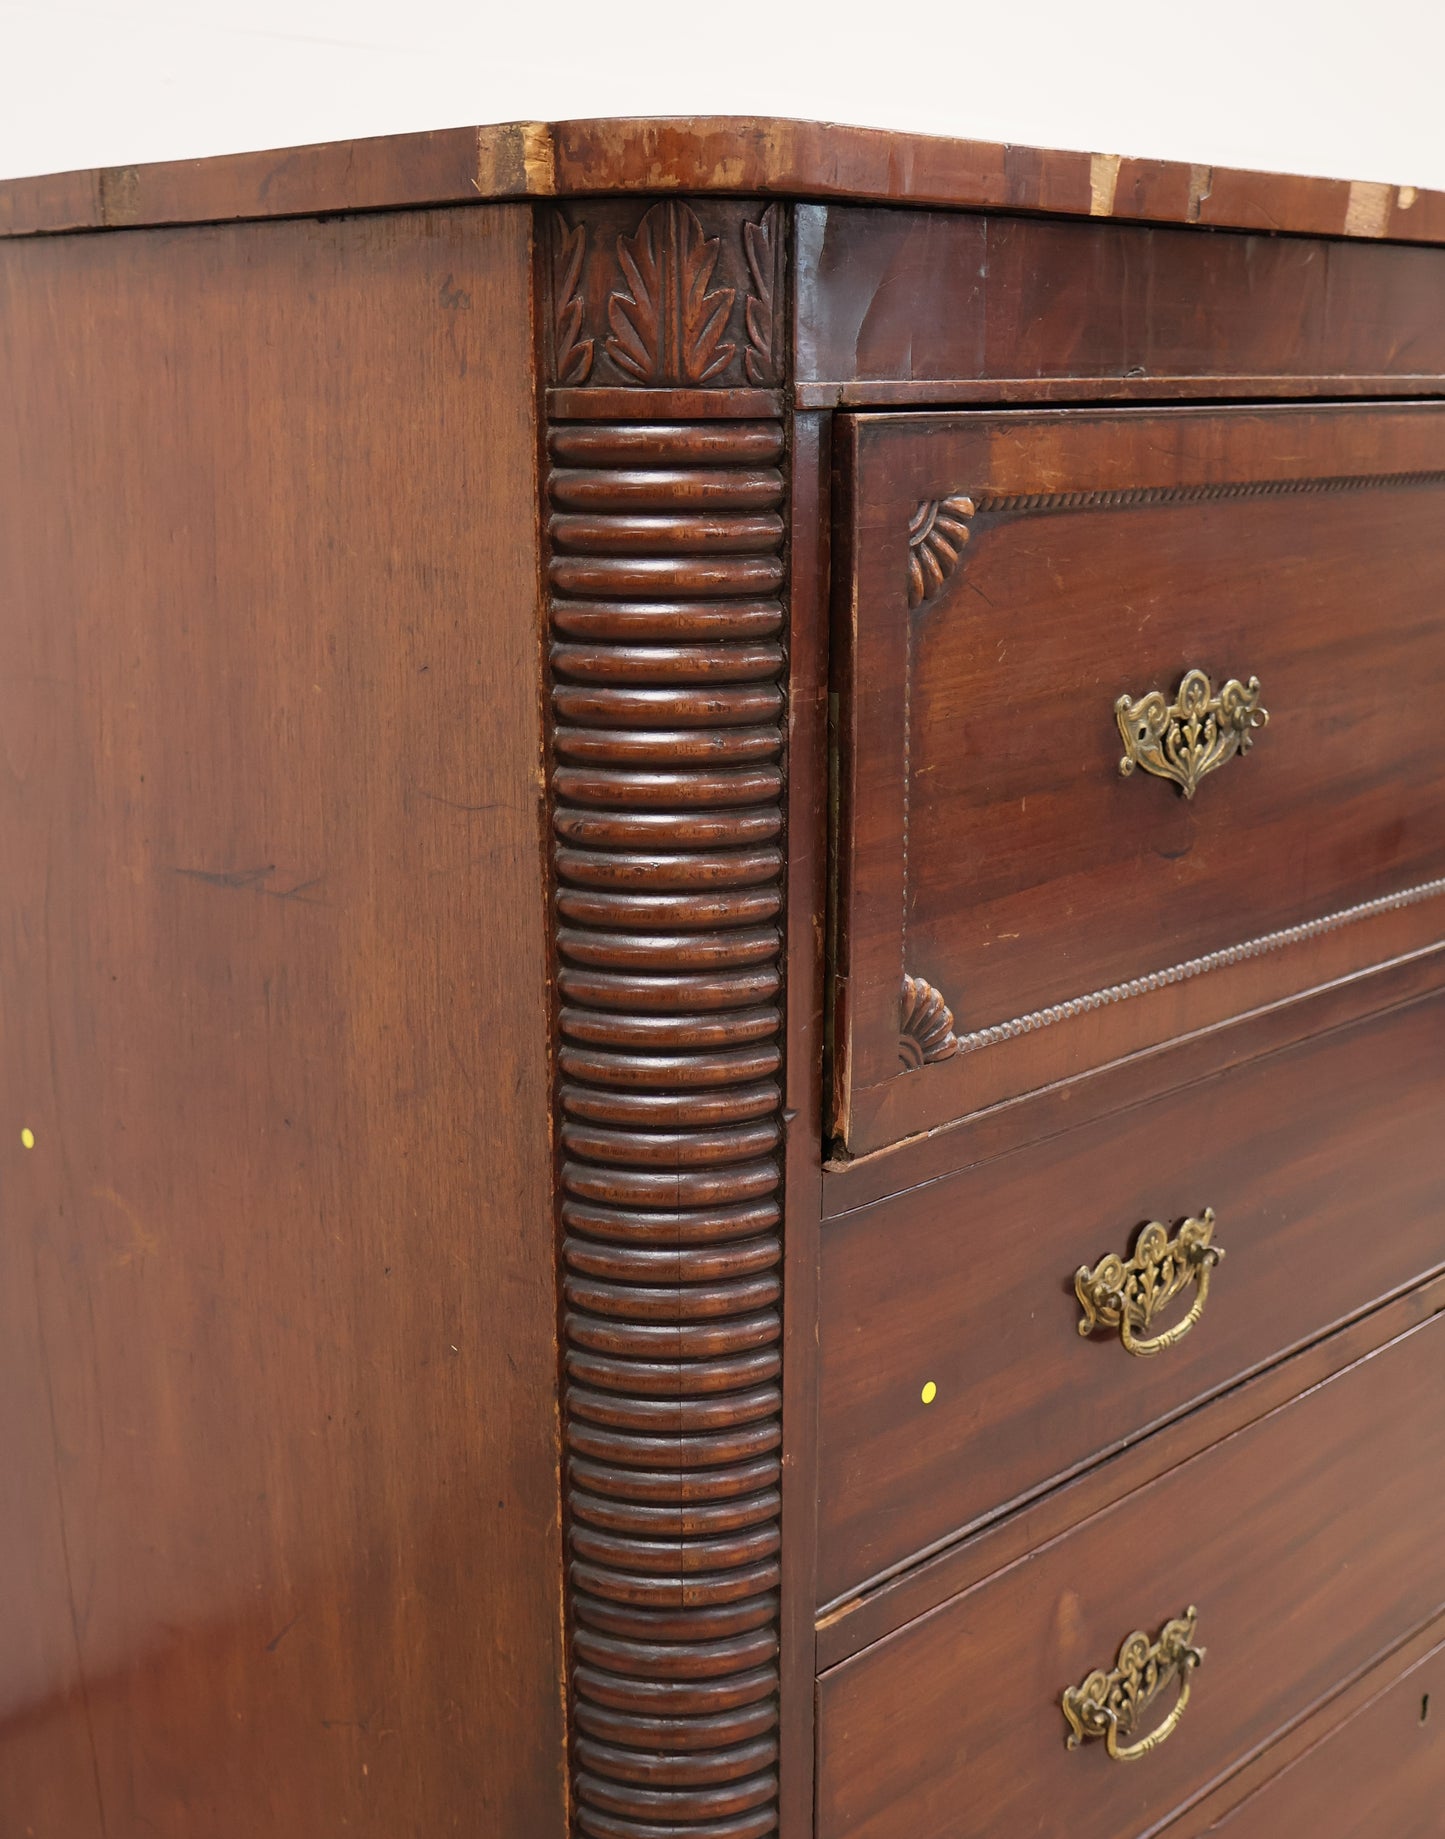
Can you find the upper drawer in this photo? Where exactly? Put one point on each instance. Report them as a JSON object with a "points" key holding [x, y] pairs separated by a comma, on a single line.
{"points": [[953, 306], [1031, 598]]}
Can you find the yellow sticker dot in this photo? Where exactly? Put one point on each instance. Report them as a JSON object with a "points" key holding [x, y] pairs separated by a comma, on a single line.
{"points": [[27, 1137], [930, 1392]]}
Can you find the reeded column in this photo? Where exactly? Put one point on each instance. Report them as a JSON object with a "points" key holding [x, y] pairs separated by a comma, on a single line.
{"points": [[667, 658]]}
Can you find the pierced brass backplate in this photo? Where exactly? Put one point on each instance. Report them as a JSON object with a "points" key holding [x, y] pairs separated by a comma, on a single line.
{"points": [[1185, 739], [1128, 1294], [1110, 1705]]}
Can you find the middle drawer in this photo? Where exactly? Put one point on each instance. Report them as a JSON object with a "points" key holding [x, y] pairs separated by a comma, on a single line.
{"points": [[953, 1377]]}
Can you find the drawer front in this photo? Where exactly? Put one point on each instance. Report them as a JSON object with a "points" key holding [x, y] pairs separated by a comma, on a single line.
{"points": [[1324, 1167], [1380, 1775], [969, 305], [1036, 600], [1308, 1544]]}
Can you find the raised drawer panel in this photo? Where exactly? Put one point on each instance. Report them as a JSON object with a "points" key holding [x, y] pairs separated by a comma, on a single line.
{"points": [[1308, 1544], [1015, 908], [1324, 1165], [1379, 1775]]}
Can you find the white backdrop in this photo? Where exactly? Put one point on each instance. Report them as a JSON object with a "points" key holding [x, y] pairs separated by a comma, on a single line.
{"points": [[1329, 87]]}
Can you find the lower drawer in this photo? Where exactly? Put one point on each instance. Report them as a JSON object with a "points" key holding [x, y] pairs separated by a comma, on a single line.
{"points": [[1324, 1164], [1308, 1543], [1379, 1775]]}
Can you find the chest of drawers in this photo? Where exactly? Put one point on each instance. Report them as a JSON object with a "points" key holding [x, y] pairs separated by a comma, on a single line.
{"points": [[724, 991]]}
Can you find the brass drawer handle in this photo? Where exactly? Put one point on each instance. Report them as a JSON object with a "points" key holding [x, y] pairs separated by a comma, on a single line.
{"points": [[1191, 736], [1110, 1705], [1128, 1295]]}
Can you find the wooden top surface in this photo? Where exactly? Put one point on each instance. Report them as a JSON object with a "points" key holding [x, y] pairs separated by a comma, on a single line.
{"points": [[738, 154]]}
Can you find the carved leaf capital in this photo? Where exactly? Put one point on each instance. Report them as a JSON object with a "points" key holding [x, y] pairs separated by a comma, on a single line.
{"points": [[761, 245], [668, 322], [569, 252]]}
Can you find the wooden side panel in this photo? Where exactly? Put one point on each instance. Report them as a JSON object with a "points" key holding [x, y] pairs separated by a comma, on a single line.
{"points": [[279, 1546]]}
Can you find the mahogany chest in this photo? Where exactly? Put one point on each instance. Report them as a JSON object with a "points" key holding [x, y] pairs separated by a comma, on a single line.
{"points": [[723, 977]]}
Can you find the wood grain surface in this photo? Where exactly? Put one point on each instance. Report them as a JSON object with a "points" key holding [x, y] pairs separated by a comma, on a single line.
{"points": [[851, 1627], [1307, 1544], [279, 1544], [804, 159], [990, 844], [1381, 1772], [296, 1075], [966, 1284], [936, 306]]}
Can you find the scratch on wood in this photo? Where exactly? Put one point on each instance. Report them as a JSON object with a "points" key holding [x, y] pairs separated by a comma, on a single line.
{"points": [[1368, 211], [1201, 184], [253, 879], [1103, 181], [276, 1640], [228, 877]]}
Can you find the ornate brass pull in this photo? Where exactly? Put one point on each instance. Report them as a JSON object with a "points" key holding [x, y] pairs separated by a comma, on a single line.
{"points": [[1128, 1295], [1191, 736], [1110, 1705]]}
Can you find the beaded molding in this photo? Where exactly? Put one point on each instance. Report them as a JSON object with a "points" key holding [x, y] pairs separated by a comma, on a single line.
{"points": [[1197, 967]]}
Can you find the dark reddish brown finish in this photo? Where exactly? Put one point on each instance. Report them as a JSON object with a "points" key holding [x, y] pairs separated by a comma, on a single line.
{"points": [[807, 768], [1040, 1115], [1302, 1736], [916, 1591], [990, 844], [939, 305], [968, 1282], [667, 656], [1380, 1772], [678, 294], [1307, 1544], [279, 1524], [740, 154], [857, 1624], [302, 457]]}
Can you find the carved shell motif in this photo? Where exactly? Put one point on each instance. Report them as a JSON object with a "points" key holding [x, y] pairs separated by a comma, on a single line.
{"points": [[925, 1028], [937, 532]]}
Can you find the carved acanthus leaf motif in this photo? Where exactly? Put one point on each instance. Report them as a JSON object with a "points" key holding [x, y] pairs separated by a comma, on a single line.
{"points": [[573, 352], [937, 532], [760, 247], [925, 1028], [667, 328]]}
